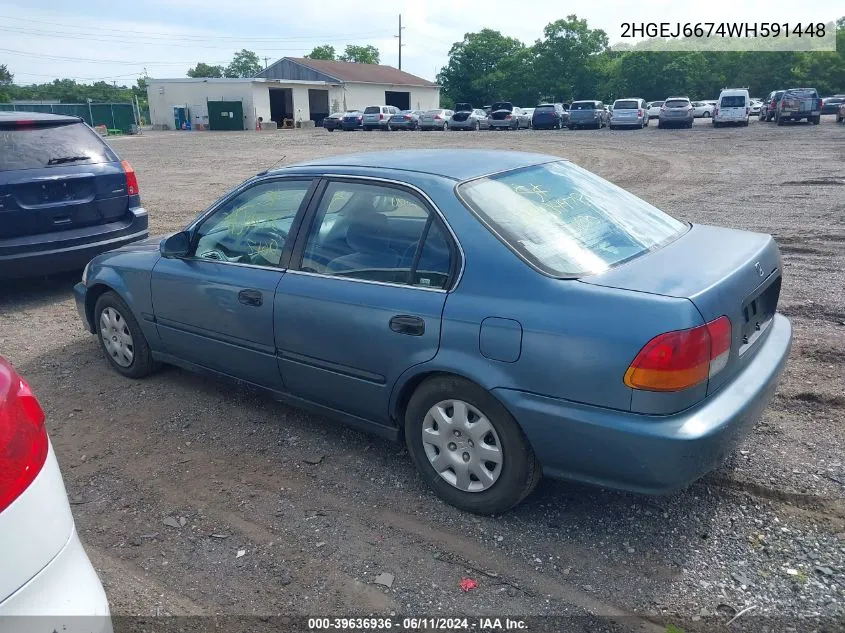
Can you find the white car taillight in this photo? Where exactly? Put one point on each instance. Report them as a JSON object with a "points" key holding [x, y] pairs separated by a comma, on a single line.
{"points": [[23, 438]]}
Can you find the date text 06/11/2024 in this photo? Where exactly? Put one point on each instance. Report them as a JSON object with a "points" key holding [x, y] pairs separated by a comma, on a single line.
{"points": [[722, 29], [379, 624]]}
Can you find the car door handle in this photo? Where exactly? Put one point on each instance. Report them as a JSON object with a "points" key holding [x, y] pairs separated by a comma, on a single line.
{"points": [[404, 324], [250, 298]]}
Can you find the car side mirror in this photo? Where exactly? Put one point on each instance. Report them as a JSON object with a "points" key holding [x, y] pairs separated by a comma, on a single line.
{"points": [[176, 245]]}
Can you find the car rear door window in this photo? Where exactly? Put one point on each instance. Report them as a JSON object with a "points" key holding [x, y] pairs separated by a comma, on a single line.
{"points": [[376, 233], [735, 101], [253, 226], [36, 145]]}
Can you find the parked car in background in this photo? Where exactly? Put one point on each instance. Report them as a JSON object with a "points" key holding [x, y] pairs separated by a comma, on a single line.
{"points": [[702, 109], [65, 195], [552, 116], [504, 116], [435, 119], [352, 120], [676, 111], [377, 117], [469, 119], [48, 583], [333, 121], [404, 295], [756, 106], [770, 103], [830, 105], [797, 104], [733, 107], [405, 120], [629, 113], [654, 109], [587, 114], [525, 117]]}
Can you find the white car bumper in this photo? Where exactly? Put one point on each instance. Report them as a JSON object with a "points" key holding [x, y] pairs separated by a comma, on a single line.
{"points": [[65, 596]]}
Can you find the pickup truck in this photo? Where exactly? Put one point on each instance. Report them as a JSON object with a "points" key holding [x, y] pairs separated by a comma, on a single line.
{"points": [[797, 104]]}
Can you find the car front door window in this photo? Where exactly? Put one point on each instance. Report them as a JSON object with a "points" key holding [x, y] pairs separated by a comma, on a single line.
{"points": [[252, 228]]}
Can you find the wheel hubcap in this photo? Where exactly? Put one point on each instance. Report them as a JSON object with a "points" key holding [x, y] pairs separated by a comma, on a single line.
{"points": [[462, 445], [117, 339]]}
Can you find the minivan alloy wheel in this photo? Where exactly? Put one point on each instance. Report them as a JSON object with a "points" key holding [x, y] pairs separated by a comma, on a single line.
{"points": [[116, 336], [462, 445]]}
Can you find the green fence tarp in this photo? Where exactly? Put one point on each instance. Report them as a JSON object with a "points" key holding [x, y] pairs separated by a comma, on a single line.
{"points": [[115, 116]]}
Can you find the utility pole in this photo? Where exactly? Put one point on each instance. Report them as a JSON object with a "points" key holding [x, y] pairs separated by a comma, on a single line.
{"points": [[266, 59], [401, 28]]}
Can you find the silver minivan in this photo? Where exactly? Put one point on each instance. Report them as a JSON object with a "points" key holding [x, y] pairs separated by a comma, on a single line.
{"points": [[629, 113], [377, 117]]}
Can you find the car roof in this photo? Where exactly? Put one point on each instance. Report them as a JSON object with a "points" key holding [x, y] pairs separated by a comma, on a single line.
{"points": [[21, 115], [455, 164]]}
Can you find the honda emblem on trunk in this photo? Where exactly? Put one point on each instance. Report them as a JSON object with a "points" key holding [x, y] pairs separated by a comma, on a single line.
{"points": [[759, 268]]}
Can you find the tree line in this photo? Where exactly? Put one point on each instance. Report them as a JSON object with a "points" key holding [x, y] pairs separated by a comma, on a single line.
{"points": [[573, 61]]}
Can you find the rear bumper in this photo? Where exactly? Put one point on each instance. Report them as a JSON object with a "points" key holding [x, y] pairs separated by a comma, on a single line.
{"points": [[65, 596], [650, 454], [399, 125], [46, 253], [627, 122]]}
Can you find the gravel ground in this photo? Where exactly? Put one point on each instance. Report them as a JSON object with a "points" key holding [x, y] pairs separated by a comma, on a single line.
{"points": [[171, 477]]}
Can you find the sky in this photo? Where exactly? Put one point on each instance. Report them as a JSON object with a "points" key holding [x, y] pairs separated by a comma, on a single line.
{"points": [[121, 41]]}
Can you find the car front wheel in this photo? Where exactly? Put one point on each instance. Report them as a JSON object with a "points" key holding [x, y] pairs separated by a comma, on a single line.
{"points": [[121, 338], [468, 447]]}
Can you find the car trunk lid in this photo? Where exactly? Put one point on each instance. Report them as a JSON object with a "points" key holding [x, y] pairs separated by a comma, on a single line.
{"points": [[60, 198], [722, 272]]}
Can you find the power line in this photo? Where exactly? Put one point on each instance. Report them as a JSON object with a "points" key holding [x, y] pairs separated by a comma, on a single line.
{"points": [[100, 61], [113, 32]]}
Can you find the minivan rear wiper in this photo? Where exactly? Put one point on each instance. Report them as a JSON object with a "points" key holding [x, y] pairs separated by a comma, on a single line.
{"points": [[66, 159]]}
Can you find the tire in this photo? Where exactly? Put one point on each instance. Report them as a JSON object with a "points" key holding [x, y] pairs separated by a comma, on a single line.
{"points": [[476, 126], [779, 120], [745, 123], [330, 129], [612, 127], [706, 114], [112, 312], [816, 120], [688, 125], [518, 470], [571, 127], [659, 125]]}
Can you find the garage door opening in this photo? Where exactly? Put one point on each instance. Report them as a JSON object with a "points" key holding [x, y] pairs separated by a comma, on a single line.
{"points": [[281, 105], [401, 100], [318, 104]]}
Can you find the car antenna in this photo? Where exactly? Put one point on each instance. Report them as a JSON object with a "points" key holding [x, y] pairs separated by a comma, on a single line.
{"points": [[274, 165]]}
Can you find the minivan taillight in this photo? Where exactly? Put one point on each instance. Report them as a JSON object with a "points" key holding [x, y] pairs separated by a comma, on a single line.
{"points": [[23, 438], [131, 179], [639, 113], [681, 359]]}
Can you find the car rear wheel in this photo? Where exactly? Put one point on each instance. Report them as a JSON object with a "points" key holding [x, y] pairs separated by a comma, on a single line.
{"points": [[476, 126], [467, 447], [815, 120], [121, 338]]}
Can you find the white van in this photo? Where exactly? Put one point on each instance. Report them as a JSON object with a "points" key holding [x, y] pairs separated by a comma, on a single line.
{"points": [[733, 106]]}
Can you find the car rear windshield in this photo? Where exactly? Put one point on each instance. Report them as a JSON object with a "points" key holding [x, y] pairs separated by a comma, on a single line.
{"points": [[32, 146], [677, 103], [543, 108], [803, 93], [656, 104], [737, 101], [566, 221], [372, 110], [583, 105], [626, 105]]}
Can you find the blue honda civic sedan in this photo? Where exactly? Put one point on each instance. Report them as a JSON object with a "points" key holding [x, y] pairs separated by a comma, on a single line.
{"points": [[508, 315]]}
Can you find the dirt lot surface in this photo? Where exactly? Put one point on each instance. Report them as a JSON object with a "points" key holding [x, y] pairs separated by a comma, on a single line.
{"points": [[320, 511]]}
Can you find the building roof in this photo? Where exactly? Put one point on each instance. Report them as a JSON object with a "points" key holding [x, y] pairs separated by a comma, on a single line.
{"points": [[456, 164], [362, 73]]}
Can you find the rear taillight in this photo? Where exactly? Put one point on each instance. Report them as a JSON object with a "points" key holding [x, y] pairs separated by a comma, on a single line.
{"points": [[23, 438], [407, 118], [682, 358], [508, 116], [662, 108], [639, 112], [437, 116], [131, 179], [380, 117], [716, 111]]}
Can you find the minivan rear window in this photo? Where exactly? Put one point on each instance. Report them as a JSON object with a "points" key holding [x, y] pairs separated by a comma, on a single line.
{"points": [[677, 103], [566, 221], [372, 110], [544, 108], [36, 146], [583, 105], [626, 105], [736, 101]]}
